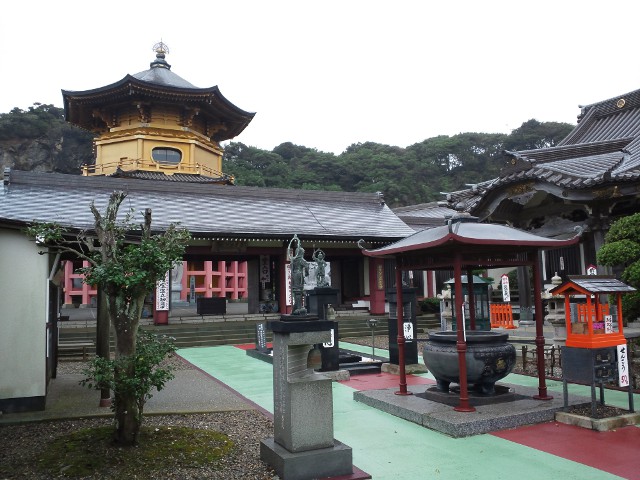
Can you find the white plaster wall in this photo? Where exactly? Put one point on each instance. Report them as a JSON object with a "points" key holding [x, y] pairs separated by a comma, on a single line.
{"points": [[23, 290]]}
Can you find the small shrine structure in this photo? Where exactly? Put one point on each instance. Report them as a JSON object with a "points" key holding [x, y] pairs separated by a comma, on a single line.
{"points": [[466, 244], [595, 325], [596, 348]]}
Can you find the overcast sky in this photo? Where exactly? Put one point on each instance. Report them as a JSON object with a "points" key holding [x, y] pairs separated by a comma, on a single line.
{"points": [[328, 74]]}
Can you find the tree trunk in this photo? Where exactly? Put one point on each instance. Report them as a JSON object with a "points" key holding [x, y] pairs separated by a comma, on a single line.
{"points": [[127, 413], [102, 340]]}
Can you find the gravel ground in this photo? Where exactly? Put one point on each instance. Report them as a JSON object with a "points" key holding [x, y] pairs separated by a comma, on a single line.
{"points": [[20, 445]]}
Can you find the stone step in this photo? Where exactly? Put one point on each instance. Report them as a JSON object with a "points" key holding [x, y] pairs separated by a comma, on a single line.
{"points": [[362, 368]]}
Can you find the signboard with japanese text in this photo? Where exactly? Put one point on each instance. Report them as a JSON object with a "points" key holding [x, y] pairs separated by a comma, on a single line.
{"points": [[407, 328], [623, 365], [287, 282], [265, 269], [162, 293], [506, 294], [380, 277], [592, 270], [608, 324]]}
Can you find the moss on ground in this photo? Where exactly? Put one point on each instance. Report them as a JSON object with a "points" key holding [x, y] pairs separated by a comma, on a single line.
{"points": [[85, 452]]}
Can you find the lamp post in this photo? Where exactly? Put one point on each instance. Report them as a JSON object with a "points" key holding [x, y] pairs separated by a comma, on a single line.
{"points": [[371, 323]]}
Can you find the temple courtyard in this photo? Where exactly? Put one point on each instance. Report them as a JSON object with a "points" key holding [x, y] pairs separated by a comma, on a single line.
{"points": [[226, 380]]}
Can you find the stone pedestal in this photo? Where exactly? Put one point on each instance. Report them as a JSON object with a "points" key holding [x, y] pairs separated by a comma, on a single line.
{"points": [[318, 298], [556, 317], [303, 446]]}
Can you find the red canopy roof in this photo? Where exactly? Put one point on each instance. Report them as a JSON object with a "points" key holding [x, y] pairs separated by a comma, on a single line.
{"points": [[482, 244]]}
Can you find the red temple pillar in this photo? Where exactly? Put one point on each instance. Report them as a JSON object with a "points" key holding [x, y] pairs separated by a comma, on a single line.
{"points": [[537, 294], [376, 286], [461, 344], [400, 326]]}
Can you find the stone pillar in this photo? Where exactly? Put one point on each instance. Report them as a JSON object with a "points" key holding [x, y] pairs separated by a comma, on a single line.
{"points": [[409, 320], [303, 446]]}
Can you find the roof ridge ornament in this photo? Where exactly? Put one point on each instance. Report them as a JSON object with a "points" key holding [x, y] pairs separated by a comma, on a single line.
{"points": [[161, 50]]}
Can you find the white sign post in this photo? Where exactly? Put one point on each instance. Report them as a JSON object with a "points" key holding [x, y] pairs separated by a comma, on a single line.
{"points": [[506, 294], [408, 330], [623, 365]]}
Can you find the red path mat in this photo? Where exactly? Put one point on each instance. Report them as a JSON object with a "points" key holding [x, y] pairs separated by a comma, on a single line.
{"points": [[379, 381], [251, 346], [582, 445]]}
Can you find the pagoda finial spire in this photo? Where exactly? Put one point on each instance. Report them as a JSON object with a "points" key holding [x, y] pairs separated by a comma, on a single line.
{"points": [[161, 49]]}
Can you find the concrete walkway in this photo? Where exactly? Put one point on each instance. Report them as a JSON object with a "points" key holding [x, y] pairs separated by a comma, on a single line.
{"points": [[191, 391], [387, 447], [384, 446]]}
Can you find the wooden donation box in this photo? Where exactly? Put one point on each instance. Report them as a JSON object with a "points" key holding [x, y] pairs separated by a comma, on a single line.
{"points": [[596, 349]]}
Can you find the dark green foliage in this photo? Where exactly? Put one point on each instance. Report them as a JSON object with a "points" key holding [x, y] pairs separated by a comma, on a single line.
{"points": [[416, 174], [146, 364], [126, 271], [39, 138], [622, 249], [430, 305], [533, 134]]}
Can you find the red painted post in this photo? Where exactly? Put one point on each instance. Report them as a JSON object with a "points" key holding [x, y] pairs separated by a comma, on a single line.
{"points": [[464, 405], [537, 294], [472, 300], [400, 322], [376, 286]]}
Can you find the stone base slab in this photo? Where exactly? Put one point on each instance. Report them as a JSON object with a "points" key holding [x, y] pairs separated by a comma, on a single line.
{"points": [[394, 369], [599, 424], [524, 410], [319, 463]]}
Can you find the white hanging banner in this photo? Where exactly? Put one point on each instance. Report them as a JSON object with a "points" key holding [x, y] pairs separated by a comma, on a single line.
{"points": [[162, 293], [506, 294], [287, 283]]}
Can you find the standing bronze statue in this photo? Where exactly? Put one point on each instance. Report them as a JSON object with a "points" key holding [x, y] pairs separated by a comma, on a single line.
{"points": [[321, 267], [299, 270]]}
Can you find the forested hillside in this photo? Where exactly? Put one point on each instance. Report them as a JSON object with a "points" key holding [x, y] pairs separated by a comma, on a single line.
{"points": [[39, 139], [406, 176]]}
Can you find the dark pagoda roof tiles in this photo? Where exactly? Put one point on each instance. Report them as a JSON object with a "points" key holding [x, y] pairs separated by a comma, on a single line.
{"points": [[165, 77], [176, 177]]}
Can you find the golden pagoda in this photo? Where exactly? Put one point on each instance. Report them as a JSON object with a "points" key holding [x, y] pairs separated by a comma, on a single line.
{"points": [[155, 124]]}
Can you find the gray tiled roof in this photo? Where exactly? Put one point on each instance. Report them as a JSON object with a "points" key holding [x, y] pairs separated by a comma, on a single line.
{"points": [[424, 215], [604, 148], [597, 284], [163, 76], [206, 210]]}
